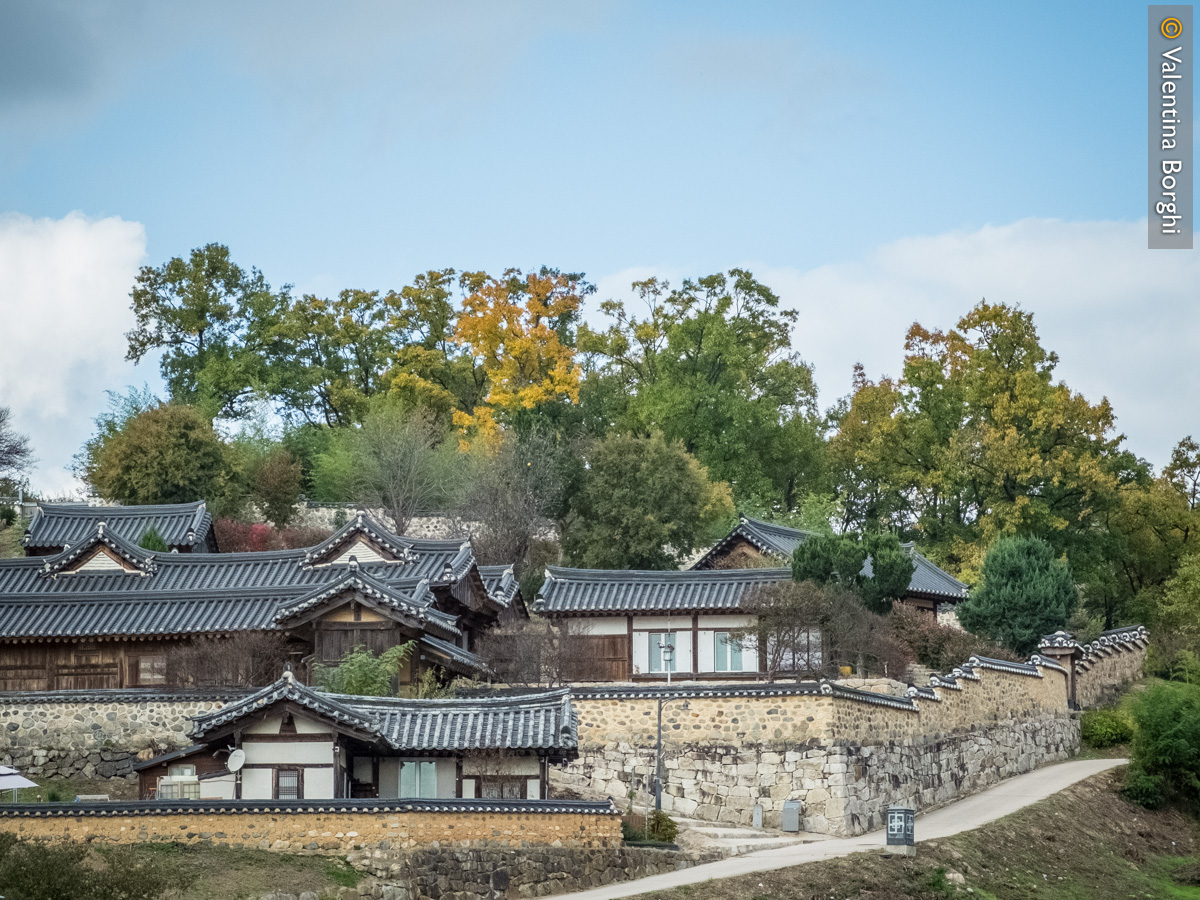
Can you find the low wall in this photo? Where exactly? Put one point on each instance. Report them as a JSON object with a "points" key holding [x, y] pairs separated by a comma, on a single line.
{"points": [[324, 827], [845, 754], [94, 734], [1108, 664], [495, 873]]}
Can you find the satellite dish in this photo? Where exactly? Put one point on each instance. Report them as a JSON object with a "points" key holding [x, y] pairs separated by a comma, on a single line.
{"points": [[237, 759]]}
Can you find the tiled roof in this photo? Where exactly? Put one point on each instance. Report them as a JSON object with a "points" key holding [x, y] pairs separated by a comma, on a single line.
{"points": [[781, 541], [286, 688], [455, 657], [62, 524], [182, 593], [533, 721], [502, 585], [125, 808], [598, 591]]}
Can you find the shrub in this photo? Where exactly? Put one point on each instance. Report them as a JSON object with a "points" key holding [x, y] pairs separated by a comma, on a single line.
{"points": [[243, 537], [661, 827], [364, 674], [30, 871], [1106, 728], [8, 515], [941, 647], [153, 541], [1165, 764]]}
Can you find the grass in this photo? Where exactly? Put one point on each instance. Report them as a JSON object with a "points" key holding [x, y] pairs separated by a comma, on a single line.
{"points": [[1085, 843], [65, 791], [217, 873]]}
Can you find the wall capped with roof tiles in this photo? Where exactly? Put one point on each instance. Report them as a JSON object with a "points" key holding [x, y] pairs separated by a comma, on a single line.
{"points": [[1106, 674], [845, 757]]}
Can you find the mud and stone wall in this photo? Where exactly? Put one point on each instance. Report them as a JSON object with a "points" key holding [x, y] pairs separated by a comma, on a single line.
{"points": [[1100, 677], [846, 755]]}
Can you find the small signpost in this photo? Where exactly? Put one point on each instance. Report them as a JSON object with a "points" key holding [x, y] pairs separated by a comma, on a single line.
{"points": [[901, 822]]}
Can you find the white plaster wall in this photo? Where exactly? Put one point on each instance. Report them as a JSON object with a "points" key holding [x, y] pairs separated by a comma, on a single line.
{"points": [[318, 784], [601, 625], [289, 753], [389, 779], [257, 784]]}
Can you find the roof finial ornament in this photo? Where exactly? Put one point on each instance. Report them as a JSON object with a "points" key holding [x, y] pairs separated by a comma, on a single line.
{"points": [[353, 562], [100, 528], [288, 675]]}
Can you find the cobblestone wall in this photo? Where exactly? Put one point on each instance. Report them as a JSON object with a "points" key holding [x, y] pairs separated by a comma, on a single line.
{"points": [[496, 873], [71, 734]]}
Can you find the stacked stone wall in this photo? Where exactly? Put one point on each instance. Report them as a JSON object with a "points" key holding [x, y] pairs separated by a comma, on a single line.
{"points": [[845, 755], [50, 735], [499, 873]]}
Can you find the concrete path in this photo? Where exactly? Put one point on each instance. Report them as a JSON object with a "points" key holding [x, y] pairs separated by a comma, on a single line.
{"points": [[963, 815]]}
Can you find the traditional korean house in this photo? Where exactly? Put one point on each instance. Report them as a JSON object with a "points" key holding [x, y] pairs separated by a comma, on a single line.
{"points": [[627, 619], [753, 543], [298, 744], [184, 527], [104, 612]]}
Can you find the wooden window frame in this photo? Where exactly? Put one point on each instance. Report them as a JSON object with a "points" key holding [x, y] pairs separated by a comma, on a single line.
{"points": [[135, 669], [275, 770]]}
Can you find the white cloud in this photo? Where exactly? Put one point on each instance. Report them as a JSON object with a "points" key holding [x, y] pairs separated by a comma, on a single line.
{"points": [[64, 308], [1125, 321]]}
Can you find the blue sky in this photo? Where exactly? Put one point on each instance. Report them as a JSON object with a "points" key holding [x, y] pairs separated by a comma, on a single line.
{"points": [[877, 163]]}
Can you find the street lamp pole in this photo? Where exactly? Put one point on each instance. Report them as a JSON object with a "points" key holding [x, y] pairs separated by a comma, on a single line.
{"points": [[658, 774]]}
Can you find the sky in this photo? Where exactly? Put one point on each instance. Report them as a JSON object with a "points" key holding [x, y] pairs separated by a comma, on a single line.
{"points": [[876, 164]]}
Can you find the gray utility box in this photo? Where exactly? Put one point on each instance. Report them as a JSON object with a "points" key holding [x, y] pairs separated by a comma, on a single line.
{"points": [[901, 836], [791, 816]]}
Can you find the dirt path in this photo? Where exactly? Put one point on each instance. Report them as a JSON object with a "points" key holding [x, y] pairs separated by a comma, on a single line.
{"points": [[963, 815]]}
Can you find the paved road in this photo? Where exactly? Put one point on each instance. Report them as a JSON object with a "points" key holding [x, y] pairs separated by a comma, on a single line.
{"points": [[963, 815]]}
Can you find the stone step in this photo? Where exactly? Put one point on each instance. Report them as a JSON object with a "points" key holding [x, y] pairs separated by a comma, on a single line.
{"points": [[720, 831]]}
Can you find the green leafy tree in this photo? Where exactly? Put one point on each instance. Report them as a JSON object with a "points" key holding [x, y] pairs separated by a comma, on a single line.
{"points": [[644, 503], [363, 674], [1165, 765], [153, 541], [215, 324], [843, 559], [168, 454], [1026, 593], [276, 483], [978, 440], [711, 366]]}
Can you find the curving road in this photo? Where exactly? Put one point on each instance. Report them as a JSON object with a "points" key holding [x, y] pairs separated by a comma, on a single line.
{"points": [[962, 815]]}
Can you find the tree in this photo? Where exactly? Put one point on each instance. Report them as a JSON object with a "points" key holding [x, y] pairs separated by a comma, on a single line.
{"points": [[1165, 767], [511, 497], [806, 629], [15, 455], [168, 454], [30, 870], [538, 653], [338, 356], [399, 459], [248, 659], [215, 323], [975, 441], [362, 673], [644, 503], [1026, 593], [521, 327], [276, 481], [153, 541], [843, 559], [711, 366]]}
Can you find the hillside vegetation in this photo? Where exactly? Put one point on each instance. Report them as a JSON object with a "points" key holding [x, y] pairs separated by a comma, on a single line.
{"points": [[1085, 843]]}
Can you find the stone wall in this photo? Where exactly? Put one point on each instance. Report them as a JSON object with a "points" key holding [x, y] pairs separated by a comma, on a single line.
{"points": [[497, 873], [845, 754], [328, 829], [93, 734]]}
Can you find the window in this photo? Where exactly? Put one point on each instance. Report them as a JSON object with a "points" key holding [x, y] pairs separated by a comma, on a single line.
{"points": [[289, 784], [152, 670], [418, 779], [181, 771], [177, 790], [502, 788], [663, 653], [727, 652]]}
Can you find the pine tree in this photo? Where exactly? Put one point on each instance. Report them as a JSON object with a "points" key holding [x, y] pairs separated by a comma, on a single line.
{"points": [[1026, 593]]}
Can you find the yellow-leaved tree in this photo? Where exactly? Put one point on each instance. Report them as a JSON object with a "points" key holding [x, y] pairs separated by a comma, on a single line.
{"points": [[522, 328]]}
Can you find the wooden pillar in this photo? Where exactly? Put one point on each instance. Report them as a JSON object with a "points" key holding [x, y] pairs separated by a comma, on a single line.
{"points": [[458, 777], [695, 643]]}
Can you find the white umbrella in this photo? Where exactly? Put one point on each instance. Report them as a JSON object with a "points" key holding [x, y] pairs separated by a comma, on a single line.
{"points": [[11, 780]]}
